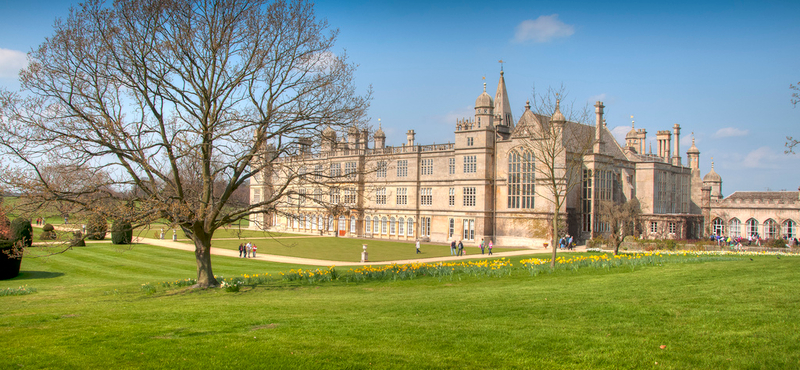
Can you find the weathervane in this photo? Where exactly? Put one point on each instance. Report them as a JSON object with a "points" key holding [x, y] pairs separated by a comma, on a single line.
{"points": [[501, 64]]}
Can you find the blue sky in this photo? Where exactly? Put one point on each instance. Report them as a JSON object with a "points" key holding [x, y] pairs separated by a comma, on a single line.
{"points": [[720, 69]]}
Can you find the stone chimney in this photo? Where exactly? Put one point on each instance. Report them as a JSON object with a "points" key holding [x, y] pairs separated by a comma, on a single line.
{"points": [[598, 137], [676, 154], [664, 137], [410, 137]]}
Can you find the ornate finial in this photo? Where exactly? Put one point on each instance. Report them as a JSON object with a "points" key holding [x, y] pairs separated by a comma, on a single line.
{"points": [[712, 163], [379, 123], [501, 66], [484, 86], [632, 122], [528, 105], [604, 122]]}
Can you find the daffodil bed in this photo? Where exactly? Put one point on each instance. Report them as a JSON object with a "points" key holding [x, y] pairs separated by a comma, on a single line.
{"points": [[453, 270]]}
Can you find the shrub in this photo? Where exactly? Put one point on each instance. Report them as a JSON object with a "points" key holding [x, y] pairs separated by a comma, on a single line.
{"points": [[48, 232], [5, 226], [96, 227], [775, 243], [121, 232], [21, 229], [77, 239]]}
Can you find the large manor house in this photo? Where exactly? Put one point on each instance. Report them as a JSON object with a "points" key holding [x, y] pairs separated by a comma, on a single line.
{"points": [[486, 185]]}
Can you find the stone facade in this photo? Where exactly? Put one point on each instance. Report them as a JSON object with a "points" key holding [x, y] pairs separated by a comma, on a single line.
{"points": [[486, 184]]}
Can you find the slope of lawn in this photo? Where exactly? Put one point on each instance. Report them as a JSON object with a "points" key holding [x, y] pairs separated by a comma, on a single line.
{"points": [[89, 313]]}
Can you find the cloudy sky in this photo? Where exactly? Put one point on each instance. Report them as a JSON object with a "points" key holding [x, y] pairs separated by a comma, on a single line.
{"points": [[720, 69]]}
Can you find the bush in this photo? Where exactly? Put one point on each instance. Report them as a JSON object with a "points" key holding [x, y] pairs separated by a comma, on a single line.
{"points": [[96, 227], [775, 243], [121, 232], [21, 229], [10, 259], [48, 232], [77, 239]]}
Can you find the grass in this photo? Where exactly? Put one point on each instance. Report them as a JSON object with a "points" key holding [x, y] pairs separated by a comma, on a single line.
{"points": [[345, 249], [89, 313]]}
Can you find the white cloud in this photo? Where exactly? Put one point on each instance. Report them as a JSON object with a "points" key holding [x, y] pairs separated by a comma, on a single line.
{"points": [[460, 113], [730, 132], [542, 29], [11, 61], [619, 133], [763, 158], [595, 98]]}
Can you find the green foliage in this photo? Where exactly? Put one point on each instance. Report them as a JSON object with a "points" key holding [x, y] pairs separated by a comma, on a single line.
{"points": [[21, 229], [77, 239], [121, 232], [96, 227], [48, 232]]}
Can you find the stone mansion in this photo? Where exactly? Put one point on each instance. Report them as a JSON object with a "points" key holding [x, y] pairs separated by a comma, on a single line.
{"points": [[485, 185]]}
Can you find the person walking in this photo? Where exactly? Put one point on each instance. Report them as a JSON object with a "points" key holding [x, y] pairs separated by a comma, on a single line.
{"points": [[241, 249], [248, 248], [254, 250], [460, 248], [569, 242], [418, 252], [490, 247], [453, 248], [482, 245]]}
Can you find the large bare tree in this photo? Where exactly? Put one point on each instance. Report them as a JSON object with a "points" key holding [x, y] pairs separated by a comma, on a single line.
{"points": [[558, 147], [168, 99]]}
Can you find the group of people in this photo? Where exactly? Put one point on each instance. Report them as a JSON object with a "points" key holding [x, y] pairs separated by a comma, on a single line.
{"points": [[247, 250], [566, 242], [457, 249], [739, 241]]}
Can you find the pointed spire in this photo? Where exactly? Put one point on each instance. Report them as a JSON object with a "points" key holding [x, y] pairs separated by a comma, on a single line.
{"points": [[502, 107], [557, 115]]}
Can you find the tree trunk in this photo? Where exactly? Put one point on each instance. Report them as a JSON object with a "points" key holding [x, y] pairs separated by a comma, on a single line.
{"points": [[202, 253]]}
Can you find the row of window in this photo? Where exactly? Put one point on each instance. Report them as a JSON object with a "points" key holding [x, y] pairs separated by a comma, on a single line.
{"points": [[351, 196], [426, 167], [378, 225], [769, 229]]}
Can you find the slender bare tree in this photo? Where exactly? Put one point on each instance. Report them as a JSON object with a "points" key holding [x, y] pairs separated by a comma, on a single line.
{"points": [[621, 217], [169, 98], [558, 147]]}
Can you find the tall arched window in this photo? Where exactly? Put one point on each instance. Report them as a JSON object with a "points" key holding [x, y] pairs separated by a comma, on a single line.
{"points": [[751, 228], [313, 222], [384, 225], [735, 228], [771, 230], [342, 223], [392, 226], [410, 226], [401, 225], [788, 229], [718, 226], [330, 223], [367, 225], [353, 224], [521, 170], [307, 221]]}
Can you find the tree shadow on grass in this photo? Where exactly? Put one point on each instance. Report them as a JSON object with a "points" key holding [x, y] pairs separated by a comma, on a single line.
{"points": [[30, 275]]}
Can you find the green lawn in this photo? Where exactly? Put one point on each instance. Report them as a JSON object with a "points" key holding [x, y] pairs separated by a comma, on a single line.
{"points": [[89, 313], [345, 249]]}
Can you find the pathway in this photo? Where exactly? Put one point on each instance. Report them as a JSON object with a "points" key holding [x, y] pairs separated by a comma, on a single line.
{"points": [[168, 243], [318, 262]]}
